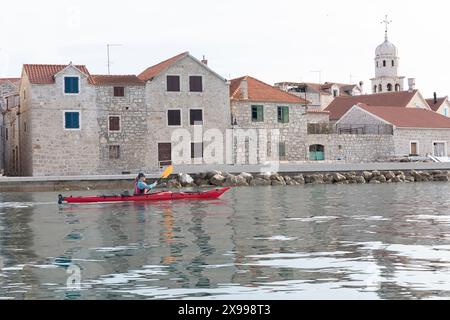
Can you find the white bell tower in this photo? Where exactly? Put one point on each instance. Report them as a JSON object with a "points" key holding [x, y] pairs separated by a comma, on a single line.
{"points": [[386, 66]]}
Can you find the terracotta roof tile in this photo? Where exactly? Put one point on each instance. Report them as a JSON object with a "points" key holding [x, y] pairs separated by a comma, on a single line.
{"points": [[110, 80], [341, 105], [44, 73], [437, 105], [409, 117], [153, 71], [259, 91]]}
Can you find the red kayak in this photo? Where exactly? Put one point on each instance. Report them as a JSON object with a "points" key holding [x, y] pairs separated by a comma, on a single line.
{"points": [[159, 196]]}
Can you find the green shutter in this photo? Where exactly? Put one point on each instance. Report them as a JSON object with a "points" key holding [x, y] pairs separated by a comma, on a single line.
{"points": [[257, 113], [283, 114]]}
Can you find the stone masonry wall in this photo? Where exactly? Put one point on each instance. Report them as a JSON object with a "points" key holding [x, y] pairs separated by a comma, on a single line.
{"points": [[354, 148], [425, 138], [131, 138], [214, 100], [293, 133], [55, 150]]}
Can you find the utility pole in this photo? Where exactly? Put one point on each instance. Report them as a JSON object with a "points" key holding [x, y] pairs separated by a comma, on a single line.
{"points": [[109, 61]]}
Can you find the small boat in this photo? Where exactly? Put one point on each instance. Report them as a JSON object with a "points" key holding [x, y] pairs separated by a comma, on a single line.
{"points": [[157, 196]]}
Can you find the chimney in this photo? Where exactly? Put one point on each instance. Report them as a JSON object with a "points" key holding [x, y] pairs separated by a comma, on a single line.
{"points": [[361, 86], [244, 89], [412, 84], [435, 98], [204, 61]]}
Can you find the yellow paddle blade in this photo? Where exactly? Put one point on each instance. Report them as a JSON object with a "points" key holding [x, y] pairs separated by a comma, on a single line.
{"points": [[167, 172]]}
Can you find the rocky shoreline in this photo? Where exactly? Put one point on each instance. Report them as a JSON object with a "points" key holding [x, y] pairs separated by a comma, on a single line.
{"points": [[223, 179]]}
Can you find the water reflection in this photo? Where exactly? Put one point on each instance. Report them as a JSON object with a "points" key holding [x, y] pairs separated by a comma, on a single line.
{"points": [[345, 242]]}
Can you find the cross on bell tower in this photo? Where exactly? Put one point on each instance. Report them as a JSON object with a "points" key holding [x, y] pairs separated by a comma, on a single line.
{"points": [[387, 22]]}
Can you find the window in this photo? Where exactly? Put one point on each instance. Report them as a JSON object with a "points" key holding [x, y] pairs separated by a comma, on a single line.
{"points": [[196, 84], [335, 93], [397, 87], [196, 117], [380, 88], [164, 154], [174, 117], [377, 64], [196, 150], [384, 63], [257, 114], [446, 111], [119, 92], [6, 134], [283, 114], [393, 63], [24, 127], [414, 148], [375, 89], [72, 120], [282, 150], [173, 83], [389, 87], [114, 123], [71, 85], [317, 152], [114, 152]]}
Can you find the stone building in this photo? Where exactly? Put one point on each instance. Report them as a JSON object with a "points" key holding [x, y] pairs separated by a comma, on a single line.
{"points": [[8, 86], [257, 105], [321, 95], [184, 93], [416, 131], [75, 123], [440, 105]]}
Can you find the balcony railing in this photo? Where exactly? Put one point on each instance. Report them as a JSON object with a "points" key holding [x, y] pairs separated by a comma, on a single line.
{"points": [[355, 129]]}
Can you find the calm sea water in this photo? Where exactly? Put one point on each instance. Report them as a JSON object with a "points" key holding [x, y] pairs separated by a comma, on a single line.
{"points": [[313, 242]]}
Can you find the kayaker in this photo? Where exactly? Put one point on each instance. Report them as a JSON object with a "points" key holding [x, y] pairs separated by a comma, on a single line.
{"points": [[140, 187]]}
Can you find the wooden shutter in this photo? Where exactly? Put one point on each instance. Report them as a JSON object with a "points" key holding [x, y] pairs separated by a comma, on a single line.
{"points": [[114, 123], [173, 83], [196, 83], [119, 92], [174, 117], [196, 115]]}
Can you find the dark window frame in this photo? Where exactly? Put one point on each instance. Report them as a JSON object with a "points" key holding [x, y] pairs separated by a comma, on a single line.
{"points": [[257, 108], [195, 83], [280, 113], [71, 88], [169, 118], [173, 83], [115, 127], [66, 127], [192, 119], [119, 91]]}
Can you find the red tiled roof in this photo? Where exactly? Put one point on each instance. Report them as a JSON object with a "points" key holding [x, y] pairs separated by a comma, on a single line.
{"points": [[109, 80], [153, 71], [318, 111], [341, 105], [259, 91], [437, 105], [12, 80], [44, 73], [409, 117]]}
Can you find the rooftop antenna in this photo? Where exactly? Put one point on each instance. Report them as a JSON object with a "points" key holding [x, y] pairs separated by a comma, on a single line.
{"points": [[109, 61], [387, 22]]}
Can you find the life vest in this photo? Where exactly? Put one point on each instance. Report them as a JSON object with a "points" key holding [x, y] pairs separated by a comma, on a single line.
{"points": [[136, 189]]}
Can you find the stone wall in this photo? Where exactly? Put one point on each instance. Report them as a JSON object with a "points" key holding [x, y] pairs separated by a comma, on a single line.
{"points": [[55, 150], [131, 138], [293, 134], [353, 148], [214, 101], [425, 138]]}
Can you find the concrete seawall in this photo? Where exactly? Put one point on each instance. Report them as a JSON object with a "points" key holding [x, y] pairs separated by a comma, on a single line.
{"points": [[125, 182]]}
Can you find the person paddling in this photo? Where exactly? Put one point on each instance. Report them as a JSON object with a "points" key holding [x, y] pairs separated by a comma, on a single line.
{"points": [[140, 187]]}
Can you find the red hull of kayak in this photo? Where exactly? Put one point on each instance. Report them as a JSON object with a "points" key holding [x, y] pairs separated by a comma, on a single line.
{"points": [[160, 196]]}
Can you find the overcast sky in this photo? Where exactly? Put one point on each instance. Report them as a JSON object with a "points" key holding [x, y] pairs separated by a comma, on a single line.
{"points": [[273, 40]]}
